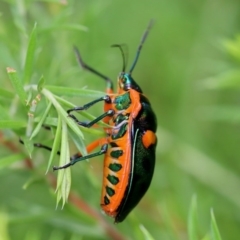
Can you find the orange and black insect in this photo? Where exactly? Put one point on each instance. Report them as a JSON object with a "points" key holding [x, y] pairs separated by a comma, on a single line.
{"points": [[130, 142]]}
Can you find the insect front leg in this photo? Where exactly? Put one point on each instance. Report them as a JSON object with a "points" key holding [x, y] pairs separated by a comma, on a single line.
{"points": [[106, 98], [110, 112]]}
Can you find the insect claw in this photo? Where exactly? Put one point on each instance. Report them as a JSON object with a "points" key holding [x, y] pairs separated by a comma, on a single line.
{"points": [[55, 168]]}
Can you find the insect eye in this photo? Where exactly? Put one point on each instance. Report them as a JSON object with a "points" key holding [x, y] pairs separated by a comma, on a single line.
{"points": [[124, 79]]}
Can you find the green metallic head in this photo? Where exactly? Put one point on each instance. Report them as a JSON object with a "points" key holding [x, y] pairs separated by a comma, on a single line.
{"points": [[126, 82]]}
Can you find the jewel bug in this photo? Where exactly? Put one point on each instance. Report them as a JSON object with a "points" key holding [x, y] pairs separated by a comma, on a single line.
{"points": [[130, 142]]}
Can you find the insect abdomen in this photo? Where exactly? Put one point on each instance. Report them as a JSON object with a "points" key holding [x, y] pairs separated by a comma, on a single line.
{"points": [[144, 143]]}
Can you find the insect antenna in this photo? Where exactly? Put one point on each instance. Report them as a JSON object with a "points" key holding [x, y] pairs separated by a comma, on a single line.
{"points": [[90, 69], [124, 54], [140, 45]]}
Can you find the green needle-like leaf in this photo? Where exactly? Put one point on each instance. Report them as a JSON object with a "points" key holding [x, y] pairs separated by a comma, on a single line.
{"points": [[64, 175], [192, 220], [40, 84], [40, 123], [67, 91], [214, 228], [28, 145], [17, 84], [62, 112], [56, 143], [78, 142], [147, 235], [30, 55], [12, 124]]}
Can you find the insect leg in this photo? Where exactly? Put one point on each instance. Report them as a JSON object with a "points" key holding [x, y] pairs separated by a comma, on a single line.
{"points": [[77, 159], [90, 69], [39, 145], [78, 156], [106, 98], [91, 123]]}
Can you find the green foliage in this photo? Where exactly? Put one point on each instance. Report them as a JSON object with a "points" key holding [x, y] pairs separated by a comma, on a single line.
{"points": [[146, 234], [214, 228], [193, 224], [192, 220], [28, 67], [17, 84], [189, 70]]}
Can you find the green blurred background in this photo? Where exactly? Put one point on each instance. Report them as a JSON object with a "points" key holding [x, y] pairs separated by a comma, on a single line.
{"points": [[188, 68]]}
